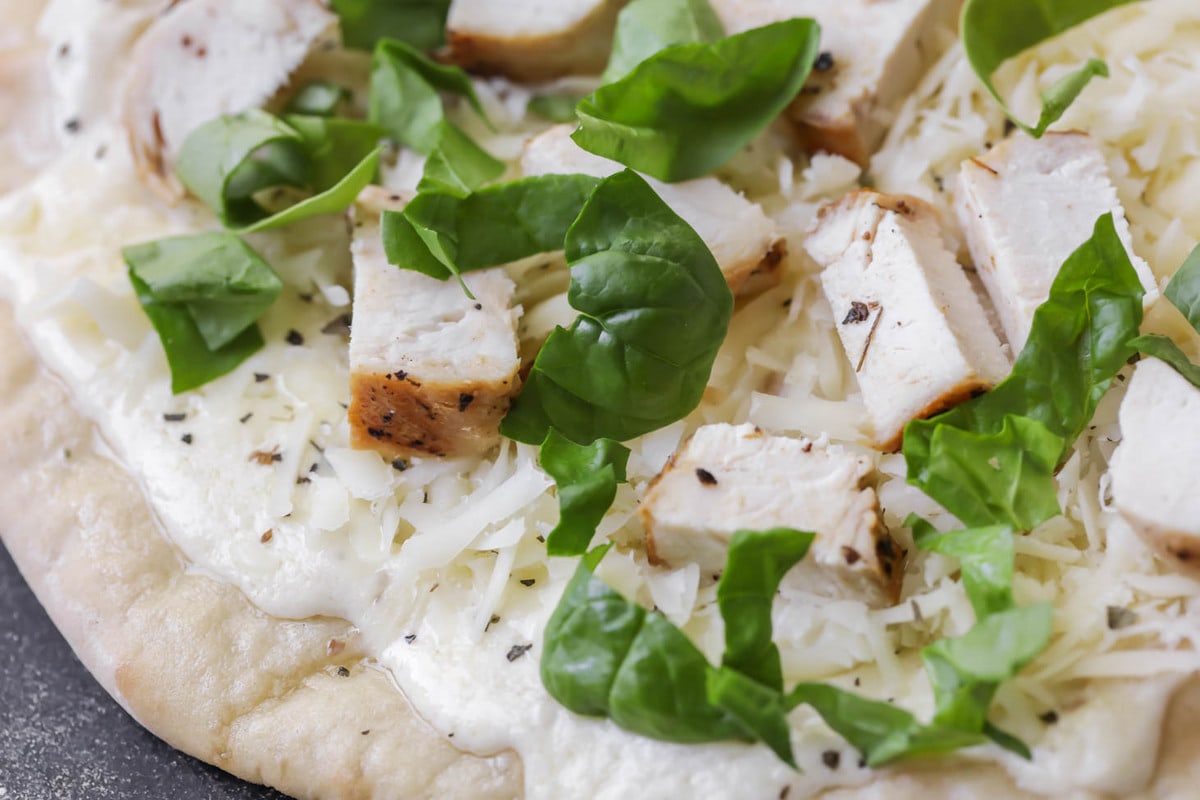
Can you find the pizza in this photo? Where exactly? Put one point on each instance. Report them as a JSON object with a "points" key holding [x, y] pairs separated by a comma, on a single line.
{"points": [[741, 398]]}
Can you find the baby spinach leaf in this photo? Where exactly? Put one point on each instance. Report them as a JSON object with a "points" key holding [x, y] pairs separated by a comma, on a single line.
{"points": [[654, 309], [317, 99], [587, 478], [405, 99], [554, 107], [985, 555], [686, 110], [1078, 342], [646, 26], [226, 162], [760, 710], [420, 23], [605, 656], [756, 564], [1183, 290], [994, 31], [457, 165], [491, 226], [203, 294], [1164, 349]]}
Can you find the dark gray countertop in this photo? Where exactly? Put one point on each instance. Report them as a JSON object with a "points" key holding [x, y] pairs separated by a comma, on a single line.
{"points": [[63, 738]]}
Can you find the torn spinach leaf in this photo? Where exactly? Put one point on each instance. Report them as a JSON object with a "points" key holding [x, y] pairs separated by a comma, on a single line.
{"points": [[318, 99], [985, 556], [646, 26], [686, 110], [203, 294], [229, 161], [554, 107], [1078, 342], [419, 23], [457, 165], [1164, 349], [654, 309], [587, 478], [1183, 291], [993, 31]]}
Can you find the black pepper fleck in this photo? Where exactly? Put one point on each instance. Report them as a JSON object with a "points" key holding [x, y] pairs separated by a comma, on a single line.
{"points": [[174, 417], [294, 337], [858, 313], [246, 418], [495, 618], [518, 650], [364, 733], [831, 759], [479, 306], [73, 125], [824, 62], [343, 672], [410, 638], [399, 465], [528, 581], [186, 438], [259, 377], [1050, 717], [705, 477], [464, 401], [1120, 617]]}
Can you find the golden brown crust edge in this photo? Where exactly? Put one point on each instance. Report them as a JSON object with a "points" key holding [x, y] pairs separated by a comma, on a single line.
{"points": [[191, 658]]}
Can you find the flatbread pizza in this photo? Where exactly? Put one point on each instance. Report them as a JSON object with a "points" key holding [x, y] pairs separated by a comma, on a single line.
{"points": [[728, 398]]}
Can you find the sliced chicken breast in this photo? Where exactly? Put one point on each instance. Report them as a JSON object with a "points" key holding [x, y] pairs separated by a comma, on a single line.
{"points": [[204, 58], [873, 54], [432, 371], [727, 478], [1155, 467], [741, 237], [911, 325], [531, 40], [1025, 206]]}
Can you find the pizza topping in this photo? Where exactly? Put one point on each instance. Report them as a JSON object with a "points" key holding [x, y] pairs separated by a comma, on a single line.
{"points": [[587, 478], [935, 349], [737, 232], [1025, 206], [646, 26], [364, 22]]}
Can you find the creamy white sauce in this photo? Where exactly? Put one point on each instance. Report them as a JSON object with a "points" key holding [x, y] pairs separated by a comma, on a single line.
{"points": [[342, 540]]}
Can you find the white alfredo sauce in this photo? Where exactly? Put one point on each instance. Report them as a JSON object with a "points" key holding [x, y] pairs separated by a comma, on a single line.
{"points": [[440, 563]]}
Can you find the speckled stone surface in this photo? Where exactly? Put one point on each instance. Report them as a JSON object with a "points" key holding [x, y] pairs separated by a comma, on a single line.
{"points": [[63, 738]]}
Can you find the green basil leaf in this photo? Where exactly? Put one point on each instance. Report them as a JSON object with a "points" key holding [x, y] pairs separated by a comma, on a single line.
{"points": [[654, 309], [405, 97], [227, 161], [688, 109], [587, 478], [1164, 349], [1078, 342], [605, 656], [985, 555], [203, 294], [760, 710], [646, 26], [756, 563], [420, 23], [965, 672], [491, 226], [317, 99], [994, 31], [554, 107], [880, 731], [457, 165], [1183, 290]]}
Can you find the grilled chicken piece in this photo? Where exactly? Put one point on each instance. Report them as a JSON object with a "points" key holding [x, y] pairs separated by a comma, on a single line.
{"points": [[204, 58], [531, 40], [432, 372], [742, 238], [873, 54], [727, 478], [911, 325], [1154, 468], [1025, 206]]}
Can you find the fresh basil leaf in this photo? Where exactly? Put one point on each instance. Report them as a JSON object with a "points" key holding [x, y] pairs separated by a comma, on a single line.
{"points": [[203, 294], [457, 165], [688, 109], [965, 672], [554, 107], [994, 31], [491, 226], [760, 710], [985, 556], [1078, 342], [420, 23], [405, 97], [317, 99], [605, 656], [1164, 349], [880, 731], [587, 478], [646, 26], [756, 563], [654, 309], [1183, 290], [229, 160]]}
